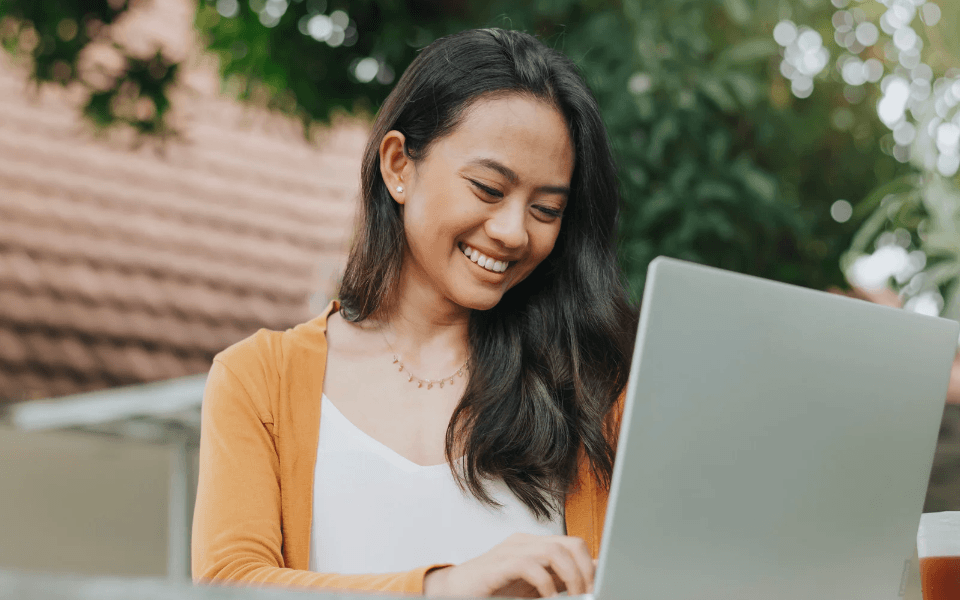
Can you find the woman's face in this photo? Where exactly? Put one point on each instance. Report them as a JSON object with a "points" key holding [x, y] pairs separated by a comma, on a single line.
{"points": [[483, 208]]}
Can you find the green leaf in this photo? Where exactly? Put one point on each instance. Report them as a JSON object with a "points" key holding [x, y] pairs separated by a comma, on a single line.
{"points": [[943, 273], [746, 88], [718, 145], [755, 180], [863, 239], [739, 11], [658, 205], [899, 185], [945, 242], [714, 89], [717, 223], [713, 190], [951, 301], [664, 132], [747, 52], [682, 176]]}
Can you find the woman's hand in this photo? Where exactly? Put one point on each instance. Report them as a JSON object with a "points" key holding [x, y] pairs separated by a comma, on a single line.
{"points": [[523, 565]]}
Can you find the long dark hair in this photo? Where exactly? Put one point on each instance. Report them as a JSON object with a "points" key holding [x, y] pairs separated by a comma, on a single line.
{"points": [[550, 359]]}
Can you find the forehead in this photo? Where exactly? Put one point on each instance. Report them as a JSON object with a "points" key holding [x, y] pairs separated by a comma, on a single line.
{"points": [[526, 134]]}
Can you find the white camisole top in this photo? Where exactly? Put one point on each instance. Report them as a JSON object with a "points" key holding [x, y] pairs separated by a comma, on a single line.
{"points": [[375, 511]]}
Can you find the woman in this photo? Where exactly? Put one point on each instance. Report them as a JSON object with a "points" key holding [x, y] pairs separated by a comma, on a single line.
{"points": [[469, 373]]}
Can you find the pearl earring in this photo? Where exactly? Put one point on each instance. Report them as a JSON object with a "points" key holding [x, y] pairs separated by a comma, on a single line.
{"points": [[400, 189]]}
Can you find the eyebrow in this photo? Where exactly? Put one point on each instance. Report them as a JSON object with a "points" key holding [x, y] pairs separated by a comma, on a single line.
{"points": [[512, 176]]}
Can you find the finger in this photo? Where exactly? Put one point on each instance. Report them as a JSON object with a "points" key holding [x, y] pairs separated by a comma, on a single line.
{"points": [[536, 575], [518, 588], [581, 554], [567, 570]]}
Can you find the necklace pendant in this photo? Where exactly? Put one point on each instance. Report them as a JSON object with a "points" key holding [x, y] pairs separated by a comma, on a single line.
{"points": [[428, 383]]}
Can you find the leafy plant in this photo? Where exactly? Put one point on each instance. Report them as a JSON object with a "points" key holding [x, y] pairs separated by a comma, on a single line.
{"points": [[732, 170], [53, 36], [899, 77], [719, 163]]}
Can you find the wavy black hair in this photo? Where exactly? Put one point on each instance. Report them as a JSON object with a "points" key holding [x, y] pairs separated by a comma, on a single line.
{"points": [[549, 361]]}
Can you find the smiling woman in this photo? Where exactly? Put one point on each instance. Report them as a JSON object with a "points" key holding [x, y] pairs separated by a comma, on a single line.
{"points": [[497, 185], [485, 263]]}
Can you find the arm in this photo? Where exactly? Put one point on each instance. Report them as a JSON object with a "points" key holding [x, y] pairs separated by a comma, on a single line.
{"points": [[236, 528], [506, 570]]}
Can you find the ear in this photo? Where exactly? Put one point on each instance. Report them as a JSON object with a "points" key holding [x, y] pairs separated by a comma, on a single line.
{"points": [[394, 164]]}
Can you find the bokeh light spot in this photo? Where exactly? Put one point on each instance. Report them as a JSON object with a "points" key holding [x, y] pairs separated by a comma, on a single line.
{"points": [[841, 211], [366, 69], [785, 33], [228, 8]]}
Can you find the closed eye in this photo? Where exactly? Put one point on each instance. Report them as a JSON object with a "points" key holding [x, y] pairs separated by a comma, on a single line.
{"points": [[550, 213], [486, 190]]}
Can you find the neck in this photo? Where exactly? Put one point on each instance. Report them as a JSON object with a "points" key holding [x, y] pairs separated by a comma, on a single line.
{"points": [[426, 329]]}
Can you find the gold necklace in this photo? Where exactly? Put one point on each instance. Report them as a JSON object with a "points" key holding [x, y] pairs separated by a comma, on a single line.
{"points": [[421, 382], [430, 382]]}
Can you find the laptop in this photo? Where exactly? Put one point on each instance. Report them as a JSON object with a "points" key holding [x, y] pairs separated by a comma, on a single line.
{"points": [[776, 442]]}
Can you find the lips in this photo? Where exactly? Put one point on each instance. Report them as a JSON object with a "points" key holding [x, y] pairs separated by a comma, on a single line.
{"points": [[490, 264]]}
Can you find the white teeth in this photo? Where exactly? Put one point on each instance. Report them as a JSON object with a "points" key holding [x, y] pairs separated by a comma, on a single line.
{"points": [[484, 261]]}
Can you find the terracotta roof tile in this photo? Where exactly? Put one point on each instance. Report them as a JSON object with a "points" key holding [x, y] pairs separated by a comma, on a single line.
{"points": [[12, 349], [57, 252], [31, 207], [264, 220], [121, 265]]}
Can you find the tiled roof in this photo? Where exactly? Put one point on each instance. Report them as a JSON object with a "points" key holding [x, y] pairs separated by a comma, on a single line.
{"points": [[122, 265]]}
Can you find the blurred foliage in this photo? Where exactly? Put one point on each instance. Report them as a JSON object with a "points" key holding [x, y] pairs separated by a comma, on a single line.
{"points": [[281, 65], [58, 37], [926, 208], [719, 163], [918, 210], [731, 169]]}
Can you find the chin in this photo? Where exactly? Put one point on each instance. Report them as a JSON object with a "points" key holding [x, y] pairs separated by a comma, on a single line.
{"points": [[479, 305], [480, 301]]}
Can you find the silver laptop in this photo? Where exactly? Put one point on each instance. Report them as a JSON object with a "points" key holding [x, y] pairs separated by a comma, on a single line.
{"points": [[776, 442]]}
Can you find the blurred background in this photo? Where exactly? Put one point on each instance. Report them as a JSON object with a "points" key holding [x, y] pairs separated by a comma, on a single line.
{"points": [[176, 174]]}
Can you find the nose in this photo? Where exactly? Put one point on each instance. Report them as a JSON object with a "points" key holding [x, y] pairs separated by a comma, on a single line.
{"points": [[507, 225]]}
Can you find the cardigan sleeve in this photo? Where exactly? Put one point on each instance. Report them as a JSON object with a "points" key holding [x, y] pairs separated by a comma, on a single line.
{"points": [[237, 534]]}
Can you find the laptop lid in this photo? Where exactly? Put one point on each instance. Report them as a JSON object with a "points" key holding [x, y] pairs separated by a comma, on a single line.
{"points": [[776, 442]]}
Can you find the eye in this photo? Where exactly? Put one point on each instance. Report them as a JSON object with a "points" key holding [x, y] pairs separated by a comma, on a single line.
{"points": [[547, 213], [489, 191]]}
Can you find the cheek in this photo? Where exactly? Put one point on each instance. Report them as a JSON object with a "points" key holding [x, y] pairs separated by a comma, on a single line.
{"points": [[433, 222], [543, 242]]}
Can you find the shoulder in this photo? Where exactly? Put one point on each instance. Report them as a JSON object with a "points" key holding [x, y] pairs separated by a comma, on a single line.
{"points": [[267, 348], [261, 348], [259, 362]]}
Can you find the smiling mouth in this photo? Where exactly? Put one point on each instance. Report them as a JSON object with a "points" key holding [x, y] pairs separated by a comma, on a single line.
{"points": [[484, 261]]}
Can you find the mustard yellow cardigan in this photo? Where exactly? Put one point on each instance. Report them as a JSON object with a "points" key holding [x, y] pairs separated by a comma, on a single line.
{"points": [[258, 447]]}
